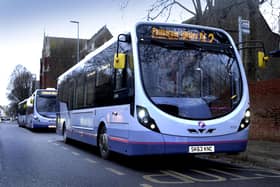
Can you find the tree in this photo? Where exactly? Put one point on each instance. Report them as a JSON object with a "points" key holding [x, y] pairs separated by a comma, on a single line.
{"points": [[161, 7], [199, 8], [20, 86]]}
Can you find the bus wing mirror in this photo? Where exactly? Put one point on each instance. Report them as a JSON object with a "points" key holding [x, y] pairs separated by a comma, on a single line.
{"points": [[119, 61], [262, 59]]}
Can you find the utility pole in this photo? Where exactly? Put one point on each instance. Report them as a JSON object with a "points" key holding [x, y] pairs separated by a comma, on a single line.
{"points": [[78, 40], [240, 37], [243, 27], [279, 23]]}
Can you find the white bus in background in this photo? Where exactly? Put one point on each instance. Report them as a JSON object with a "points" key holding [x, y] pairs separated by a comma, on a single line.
{"points": [[160, 89], [41, 109]]}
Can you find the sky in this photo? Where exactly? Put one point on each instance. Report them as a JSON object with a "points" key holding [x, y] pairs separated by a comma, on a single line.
{"points": [[23, 24]]}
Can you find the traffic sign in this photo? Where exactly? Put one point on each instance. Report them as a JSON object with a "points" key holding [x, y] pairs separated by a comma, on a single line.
{"points": [[245, 26]]}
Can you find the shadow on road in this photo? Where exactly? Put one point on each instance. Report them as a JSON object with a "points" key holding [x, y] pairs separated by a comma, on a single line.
{"points": [[154, 162]]}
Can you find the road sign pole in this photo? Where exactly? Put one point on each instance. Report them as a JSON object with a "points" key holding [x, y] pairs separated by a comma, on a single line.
{"points": [[240, 37]]}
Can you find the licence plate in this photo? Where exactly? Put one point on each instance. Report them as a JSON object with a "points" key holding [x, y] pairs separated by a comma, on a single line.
{"points": [[202, 149]]}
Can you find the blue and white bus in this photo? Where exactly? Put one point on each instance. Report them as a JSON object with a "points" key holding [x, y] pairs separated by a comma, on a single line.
{"points": [[159, 89], [21, 113], [41, 109]]}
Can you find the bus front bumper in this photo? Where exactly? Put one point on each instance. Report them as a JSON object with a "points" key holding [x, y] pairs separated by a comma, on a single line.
{"points": [[166, 144], [48, 125]]}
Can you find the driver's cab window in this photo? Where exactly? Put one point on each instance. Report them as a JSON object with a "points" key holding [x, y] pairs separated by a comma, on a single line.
{"points": [[123, 77]]}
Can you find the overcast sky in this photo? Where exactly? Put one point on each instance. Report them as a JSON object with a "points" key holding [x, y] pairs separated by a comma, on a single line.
{"points": [[24, 22]]}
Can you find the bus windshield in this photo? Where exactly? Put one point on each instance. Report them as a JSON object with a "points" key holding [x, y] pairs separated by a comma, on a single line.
{"points": [[46, 105], [190, 80]]}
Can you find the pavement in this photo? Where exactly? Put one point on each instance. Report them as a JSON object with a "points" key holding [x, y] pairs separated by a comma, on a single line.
{"points": [[258, 153]]}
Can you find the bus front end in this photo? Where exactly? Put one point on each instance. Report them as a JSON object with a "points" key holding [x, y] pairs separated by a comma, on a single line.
{"points": [[191, 95], [45, 107]]}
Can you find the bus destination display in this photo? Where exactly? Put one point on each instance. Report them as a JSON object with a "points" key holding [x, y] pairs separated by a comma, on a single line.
{"points": [[192, 35]]}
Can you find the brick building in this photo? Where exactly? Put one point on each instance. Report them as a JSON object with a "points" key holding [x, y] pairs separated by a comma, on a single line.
{"points": [[60, 54]]}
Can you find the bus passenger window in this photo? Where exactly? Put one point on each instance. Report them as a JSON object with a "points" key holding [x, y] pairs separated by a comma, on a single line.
{"points": [[120, 79], [90, 89]]}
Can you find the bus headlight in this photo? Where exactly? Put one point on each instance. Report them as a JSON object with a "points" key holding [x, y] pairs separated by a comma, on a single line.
{"points": [[145, 119], [245, 121], [35, 117]]}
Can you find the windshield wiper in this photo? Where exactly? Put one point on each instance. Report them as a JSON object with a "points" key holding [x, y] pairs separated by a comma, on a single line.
{"points": [[218, 48]]}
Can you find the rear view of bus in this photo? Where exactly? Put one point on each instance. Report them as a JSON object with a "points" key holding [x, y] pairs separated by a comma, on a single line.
{"points": [[192, 91], [22, 106], [41, 109]]}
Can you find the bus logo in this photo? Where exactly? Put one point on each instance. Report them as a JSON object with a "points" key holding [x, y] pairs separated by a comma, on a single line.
{"points": [[201, 124]]}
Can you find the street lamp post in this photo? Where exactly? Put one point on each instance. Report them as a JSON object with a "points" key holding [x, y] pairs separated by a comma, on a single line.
{"points": [[78, 40]]}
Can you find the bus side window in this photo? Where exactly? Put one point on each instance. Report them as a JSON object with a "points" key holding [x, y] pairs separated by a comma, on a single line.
{"points": [[120, 79], [90, 91], [79, 92], [71, 94]]}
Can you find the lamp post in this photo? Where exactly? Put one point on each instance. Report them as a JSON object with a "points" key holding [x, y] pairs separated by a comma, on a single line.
{"points": [[78, 40]]}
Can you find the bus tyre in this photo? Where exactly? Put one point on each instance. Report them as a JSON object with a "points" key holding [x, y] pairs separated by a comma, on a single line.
{"points": [[103, 143], [65, 139]]}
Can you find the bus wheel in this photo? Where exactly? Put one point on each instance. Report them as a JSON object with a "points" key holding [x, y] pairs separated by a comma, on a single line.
{"points": [[65, 139], [103, 143]]}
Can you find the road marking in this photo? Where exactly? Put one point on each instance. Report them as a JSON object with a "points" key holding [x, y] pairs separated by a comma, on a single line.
{"points": [[56, 144], [75, 153], [216, 178], [49, 141], [115, 171], [237, 177], [146, 185], [159, 178], [90, 160], [181, 178]]}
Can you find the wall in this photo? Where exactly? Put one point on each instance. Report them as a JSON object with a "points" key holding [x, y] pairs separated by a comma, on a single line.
{"points": [[265, 107]]}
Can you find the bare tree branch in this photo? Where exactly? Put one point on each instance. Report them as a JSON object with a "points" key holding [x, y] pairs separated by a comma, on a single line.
{"points": [[199, 10], [165, 3], [163, 6], [194, 5], [124, 4], [185, 8], [209, 5], [169, 13]]}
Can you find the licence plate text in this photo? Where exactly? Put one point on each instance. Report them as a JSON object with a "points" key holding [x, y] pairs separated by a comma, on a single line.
{"points": [[202, 149]]}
